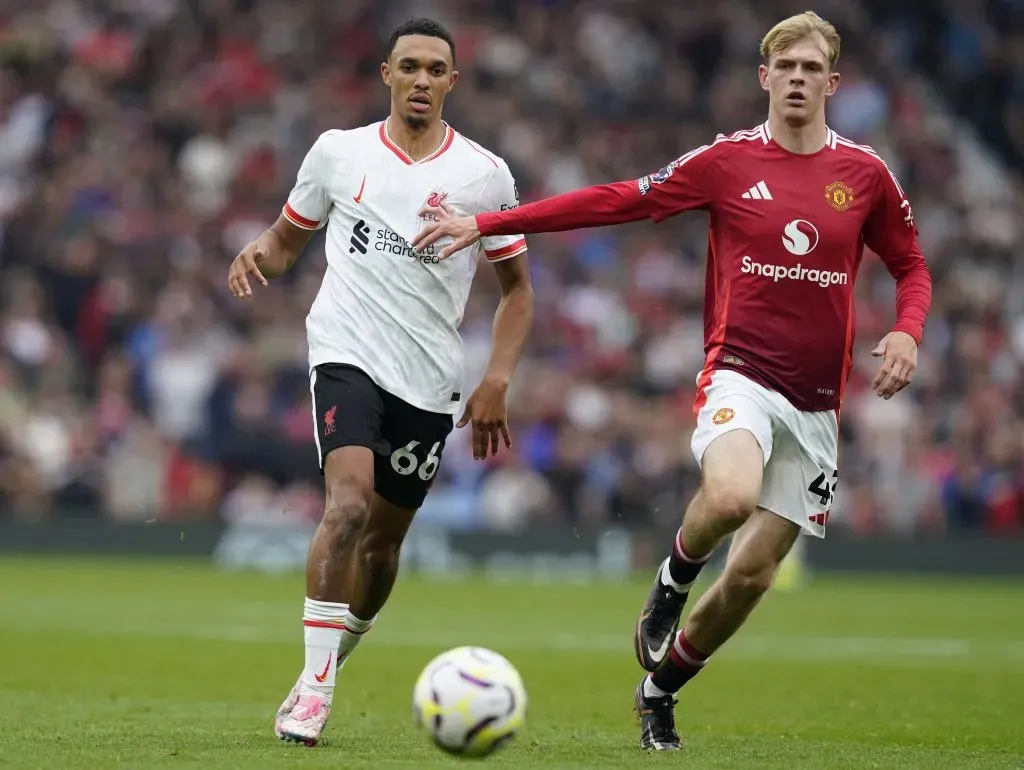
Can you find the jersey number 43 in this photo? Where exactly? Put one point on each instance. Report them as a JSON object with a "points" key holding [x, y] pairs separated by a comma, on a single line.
{"points": [[823, 490]]}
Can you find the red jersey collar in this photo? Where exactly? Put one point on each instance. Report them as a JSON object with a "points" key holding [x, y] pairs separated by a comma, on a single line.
{"points": [[449, 137]]}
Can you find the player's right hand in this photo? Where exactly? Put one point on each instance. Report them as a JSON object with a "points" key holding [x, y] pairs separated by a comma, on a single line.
{"points": [[246, 263], [462, 230]]}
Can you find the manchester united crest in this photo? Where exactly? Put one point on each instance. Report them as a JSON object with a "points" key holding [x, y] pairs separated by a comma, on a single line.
{"points": [[839, 196], [722, 416]]}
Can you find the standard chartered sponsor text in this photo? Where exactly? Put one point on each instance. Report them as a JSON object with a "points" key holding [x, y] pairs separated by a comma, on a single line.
{"points": [[390, 242]]}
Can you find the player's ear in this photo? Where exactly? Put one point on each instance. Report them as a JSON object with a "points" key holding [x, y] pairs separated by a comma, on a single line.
{"points": [[451, 80], [833, 84], [385, 73], [762, 75]]}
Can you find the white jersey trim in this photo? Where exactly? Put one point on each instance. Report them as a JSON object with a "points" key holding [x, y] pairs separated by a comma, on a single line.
{"points": [[830, 136], [747, 135], [868, 150]]}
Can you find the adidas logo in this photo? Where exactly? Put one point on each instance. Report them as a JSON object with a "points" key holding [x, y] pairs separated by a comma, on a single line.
{"points": [[758, 192], [360, 237]]}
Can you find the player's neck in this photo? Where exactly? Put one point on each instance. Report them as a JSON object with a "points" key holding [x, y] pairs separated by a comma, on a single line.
{"points": [[806, 139], [417, 143]]}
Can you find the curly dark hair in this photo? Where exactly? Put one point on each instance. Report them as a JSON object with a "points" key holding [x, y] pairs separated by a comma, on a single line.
{"points": [[421, 26]]}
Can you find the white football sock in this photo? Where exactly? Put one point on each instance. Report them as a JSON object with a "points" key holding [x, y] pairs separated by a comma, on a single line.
{"points": [[651, 690], [351, 636], [324, 623], [666, 580]]}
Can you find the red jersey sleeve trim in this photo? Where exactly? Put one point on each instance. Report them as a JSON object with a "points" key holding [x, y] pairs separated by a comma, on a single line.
{"points": [[514, 249], [298, 220]]}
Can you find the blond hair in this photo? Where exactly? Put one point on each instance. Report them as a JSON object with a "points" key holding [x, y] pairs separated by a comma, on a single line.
{"points": [[796, 28]]}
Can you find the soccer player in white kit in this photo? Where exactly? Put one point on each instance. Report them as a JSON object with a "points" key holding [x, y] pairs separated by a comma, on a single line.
{"points": [[385, 356]]}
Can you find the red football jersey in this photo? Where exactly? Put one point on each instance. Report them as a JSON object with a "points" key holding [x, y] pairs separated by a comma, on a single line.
{"points": [[786, 237], [785, 242]]}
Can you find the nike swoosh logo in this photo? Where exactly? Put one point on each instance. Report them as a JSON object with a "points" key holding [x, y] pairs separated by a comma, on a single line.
{"points": [[323, 676], [358, 198], [658, 654]]}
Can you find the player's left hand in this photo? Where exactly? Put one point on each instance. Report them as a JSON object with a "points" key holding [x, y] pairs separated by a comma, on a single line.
{"points": [[487, 411], [898, 352], [462, 230]]}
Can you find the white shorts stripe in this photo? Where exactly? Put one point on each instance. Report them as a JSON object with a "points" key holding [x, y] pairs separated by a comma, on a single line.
{"points": [[316, 430]]}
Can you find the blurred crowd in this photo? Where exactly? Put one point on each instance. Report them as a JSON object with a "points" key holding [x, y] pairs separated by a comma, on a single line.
{"points": [[143, 142], [975, 53]]}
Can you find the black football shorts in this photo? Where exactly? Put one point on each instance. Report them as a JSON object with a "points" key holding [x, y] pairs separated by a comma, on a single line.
{"points": [[351, 410]]}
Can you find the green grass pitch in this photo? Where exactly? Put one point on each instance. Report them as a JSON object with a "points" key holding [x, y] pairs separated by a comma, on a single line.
{"points": [[126, 664]]}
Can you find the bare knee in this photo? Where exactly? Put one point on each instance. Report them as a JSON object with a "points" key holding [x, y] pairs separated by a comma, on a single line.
{"points": [[344, 521], [730, 503], [347, 510], [747, 582], [756, 553]]}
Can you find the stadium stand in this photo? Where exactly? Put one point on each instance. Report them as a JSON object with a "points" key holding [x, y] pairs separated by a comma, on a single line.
{"points": [[143, 143]]}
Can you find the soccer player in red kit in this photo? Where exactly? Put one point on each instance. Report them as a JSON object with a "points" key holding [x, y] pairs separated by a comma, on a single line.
{"points": [[791, 206]]}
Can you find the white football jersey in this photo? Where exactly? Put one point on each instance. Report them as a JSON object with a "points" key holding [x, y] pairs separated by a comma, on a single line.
{"points": [[383, 308]]}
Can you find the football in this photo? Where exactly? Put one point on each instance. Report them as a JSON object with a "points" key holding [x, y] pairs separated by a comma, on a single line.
{"points": [[470, 700]]}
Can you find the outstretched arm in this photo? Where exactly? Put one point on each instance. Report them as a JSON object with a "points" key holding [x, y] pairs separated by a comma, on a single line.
{"points": [[680, 186], [606, 204], [486, 407]]}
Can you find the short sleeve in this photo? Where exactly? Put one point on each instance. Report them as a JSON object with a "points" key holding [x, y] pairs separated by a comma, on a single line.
{"points": [[682, 185], [500, 194], [308, 203]]}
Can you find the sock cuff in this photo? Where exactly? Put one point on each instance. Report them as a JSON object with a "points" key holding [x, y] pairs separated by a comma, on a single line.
{"points": [[682, 553], [687, 653], [358, 626], [330, 613]]}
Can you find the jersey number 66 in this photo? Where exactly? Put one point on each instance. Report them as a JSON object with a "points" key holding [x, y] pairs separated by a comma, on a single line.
{"points": [[406, 463]]}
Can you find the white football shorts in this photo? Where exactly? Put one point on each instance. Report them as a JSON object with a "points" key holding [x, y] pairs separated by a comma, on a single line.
{"points": [[801, 449]]}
